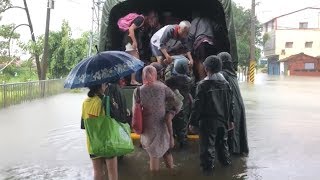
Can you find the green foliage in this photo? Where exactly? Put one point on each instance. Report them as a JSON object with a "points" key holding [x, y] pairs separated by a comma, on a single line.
{"points": [[35, 48], [242, 22], [4, 59], [3, 5], [6, 31], [265, 38], [19, 72], [65, 52]]}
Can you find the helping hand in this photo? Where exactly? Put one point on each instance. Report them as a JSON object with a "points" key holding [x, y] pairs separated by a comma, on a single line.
{"points": [[168, 60], [191, 62]]}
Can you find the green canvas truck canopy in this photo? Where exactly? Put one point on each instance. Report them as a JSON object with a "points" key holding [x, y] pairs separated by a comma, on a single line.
{"points": [[219, 11]]}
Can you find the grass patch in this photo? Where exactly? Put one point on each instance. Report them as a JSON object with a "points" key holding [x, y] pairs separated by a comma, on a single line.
{"points": [[11, 94], [76, 91]]}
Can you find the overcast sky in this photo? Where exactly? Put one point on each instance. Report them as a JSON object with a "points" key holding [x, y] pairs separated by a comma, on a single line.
{"points": [[78, 13], [267, 9]]}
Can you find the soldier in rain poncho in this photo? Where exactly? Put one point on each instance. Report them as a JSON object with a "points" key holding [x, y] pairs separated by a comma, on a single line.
{"points": [[212, 113], [238, 141]]}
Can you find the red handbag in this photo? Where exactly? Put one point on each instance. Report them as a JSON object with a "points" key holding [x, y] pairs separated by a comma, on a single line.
{"points": [[137, 121]]}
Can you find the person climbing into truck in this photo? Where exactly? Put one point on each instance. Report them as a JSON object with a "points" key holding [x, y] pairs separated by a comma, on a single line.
{"points": [[202, 41], [130, 25], [161, 38]]}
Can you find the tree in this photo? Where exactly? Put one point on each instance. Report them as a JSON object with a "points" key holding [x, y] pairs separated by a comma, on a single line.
{"points": [[64, 51], [4, 4], [242, 18], [36, 55], [6, 34]]}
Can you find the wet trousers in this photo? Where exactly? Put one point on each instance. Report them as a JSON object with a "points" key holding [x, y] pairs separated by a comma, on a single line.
{"points": [[180, 123], [213, 140]]}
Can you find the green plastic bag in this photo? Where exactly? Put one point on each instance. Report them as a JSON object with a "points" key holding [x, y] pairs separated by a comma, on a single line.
{"points": [[107, 137]]}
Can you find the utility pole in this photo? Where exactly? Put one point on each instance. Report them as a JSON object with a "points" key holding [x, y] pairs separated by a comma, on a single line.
{"points": [[251, 61], [33, 38], [95, 23], [44, 62]]}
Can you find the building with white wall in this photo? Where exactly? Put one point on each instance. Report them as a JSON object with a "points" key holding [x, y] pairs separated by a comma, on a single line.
{"points": [[290, 34]]}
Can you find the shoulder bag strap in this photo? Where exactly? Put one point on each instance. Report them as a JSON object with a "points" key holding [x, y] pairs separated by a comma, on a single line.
{"points": [[107, 105], [138, 98]]}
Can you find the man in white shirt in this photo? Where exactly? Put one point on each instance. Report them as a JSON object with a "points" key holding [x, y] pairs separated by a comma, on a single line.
{"points": [[160, 39]]}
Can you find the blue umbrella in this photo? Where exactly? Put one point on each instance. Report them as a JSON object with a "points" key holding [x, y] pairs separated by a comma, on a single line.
{"points": [[103, 67]]}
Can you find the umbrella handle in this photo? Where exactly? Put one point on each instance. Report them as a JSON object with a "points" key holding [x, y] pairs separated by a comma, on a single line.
{"points": [[96, 46], [107, 99]]}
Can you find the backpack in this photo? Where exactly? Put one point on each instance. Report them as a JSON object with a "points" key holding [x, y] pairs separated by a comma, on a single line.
{"points": [[125, 22]]}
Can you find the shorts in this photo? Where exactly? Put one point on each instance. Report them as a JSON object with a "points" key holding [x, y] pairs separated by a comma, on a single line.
{"points": [[128, 47], [127, 42], [92, 156]]}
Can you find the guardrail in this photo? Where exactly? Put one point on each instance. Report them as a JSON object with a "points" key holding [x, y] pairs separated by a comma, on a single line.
{"points": [[16, 93]]}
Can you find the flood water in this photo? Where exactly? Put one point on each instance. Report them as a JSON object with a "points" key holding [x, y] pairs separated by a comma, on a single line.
{"points": [[42, 139]]}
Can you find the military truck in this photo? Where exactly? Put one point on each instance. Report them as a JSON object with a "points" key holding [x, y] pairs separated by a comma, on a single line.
{"points": [[219, 11]]}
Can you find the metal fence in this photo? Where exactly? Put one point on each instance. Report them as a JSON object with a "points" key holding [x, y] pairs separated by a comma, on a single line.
{"points": [[16, 93]]}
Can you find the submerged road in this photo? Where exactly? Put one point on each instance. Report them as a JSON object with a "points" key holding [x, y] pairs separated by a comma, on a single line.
{"points": [[42, 139]]}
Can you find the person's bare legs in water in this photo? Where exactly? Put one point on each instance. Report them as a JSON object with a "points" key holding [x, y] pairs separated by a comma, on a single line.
{"points": [[103, 168], [133, 81], [167, 157]]}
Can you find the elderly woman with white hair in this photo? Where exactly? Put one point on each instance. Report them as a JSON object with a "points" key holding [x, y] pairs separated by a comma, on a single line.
{"points": [[159, 41], [157, 137]]}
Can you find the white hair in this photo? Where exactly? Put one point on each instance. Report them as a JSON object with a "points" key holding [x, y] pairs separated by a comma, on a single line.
{"points": [[185, 25]]}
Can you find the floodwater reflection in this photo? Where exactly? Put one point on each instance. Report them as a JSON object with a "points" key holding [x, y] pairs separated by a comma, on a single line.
{"points": [[43, 140]]}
